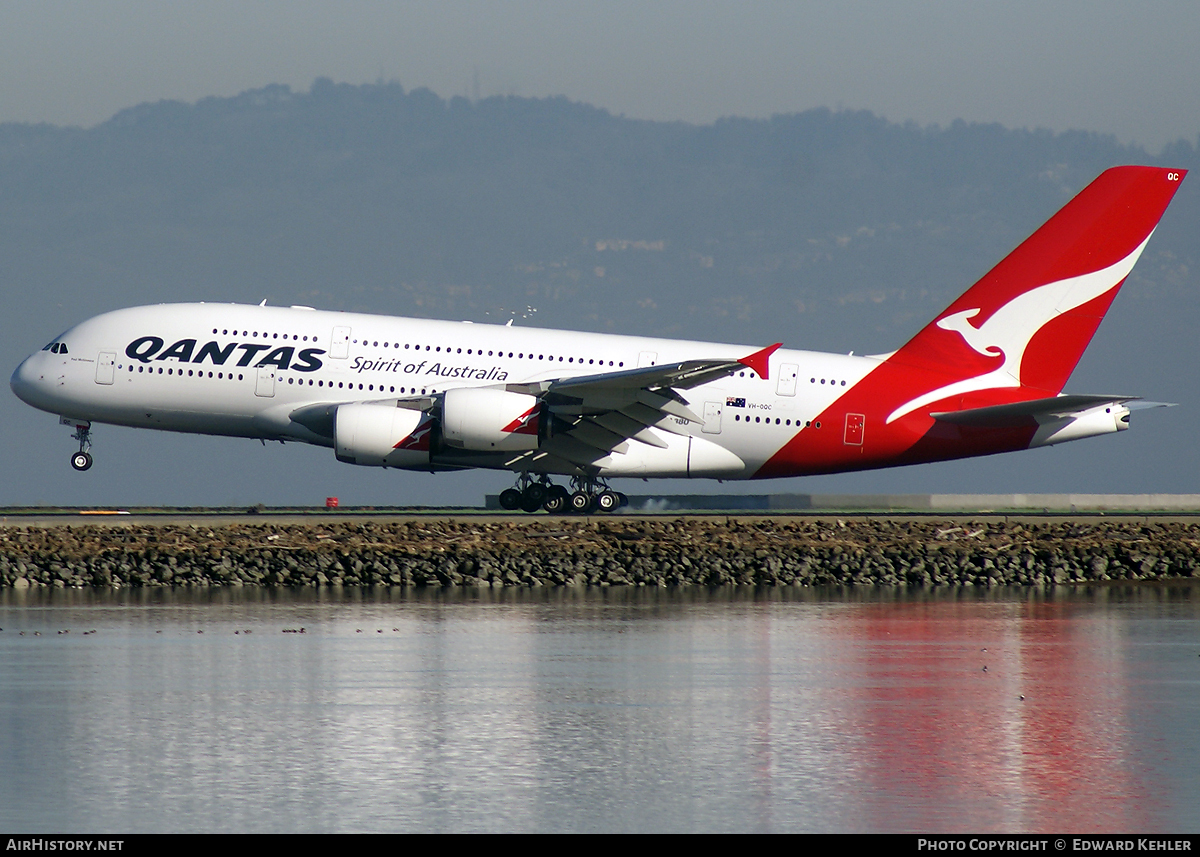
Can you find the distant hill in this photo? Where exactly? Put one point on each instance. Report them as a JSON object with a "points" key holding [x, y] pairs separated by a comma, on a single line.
{"points": [[375, 198]]}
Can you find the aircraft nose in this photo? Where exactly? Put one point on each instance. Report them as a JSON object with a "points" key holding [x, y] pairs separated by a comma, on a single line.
{"points": [[26, 381]]}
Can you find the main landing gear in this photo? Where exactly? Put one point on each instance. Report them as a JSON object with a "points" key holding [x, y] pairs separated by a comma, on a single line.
{"points": [[588, 495], [81, 460]]}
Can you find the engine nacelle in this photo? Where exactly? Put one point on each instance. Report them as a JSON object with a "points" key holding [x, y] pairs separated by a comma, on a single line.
{"points": [[1104, 419], [383, 436], [490, 419]]}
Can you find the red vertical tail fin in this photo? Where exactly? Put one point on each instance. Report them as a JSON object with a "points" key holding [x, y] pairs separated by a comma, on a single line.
{"points": [[984, 376], [1028, 321]]}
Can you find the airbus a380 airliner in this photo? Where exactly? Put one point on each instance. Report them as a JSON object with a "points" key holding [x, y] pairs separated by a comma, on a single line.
{"points": [[985, 376]]}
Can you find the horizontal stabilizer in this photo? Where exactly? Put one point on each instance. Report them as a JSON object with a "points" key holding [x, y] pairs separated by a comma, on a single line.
{"points": [[1019, 413], [1143, 405]]}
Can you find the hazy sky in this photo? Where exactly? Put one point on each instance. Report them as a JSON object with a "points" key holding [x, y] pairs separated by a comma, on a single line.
{"points": [[1129, 69]]}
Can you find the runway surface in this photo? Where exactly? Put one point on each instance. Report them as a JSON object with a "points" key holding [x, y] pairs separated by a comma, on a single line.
{"points": [[43, 517]]}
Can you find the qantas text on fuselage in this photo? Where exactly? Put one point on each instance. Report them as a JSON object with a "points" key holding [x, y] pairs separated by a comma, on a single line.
{"points": [[148, 349], [985, 376]]}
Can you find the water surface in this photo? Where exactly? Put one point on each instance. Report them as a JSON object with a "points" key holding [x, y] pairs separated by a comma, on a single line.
{"points": [[601, 710]]}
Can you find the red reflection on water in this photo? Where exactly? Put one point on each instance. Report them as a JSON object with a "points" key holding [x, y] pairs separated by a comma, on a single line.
{"points": [[994, 717]]}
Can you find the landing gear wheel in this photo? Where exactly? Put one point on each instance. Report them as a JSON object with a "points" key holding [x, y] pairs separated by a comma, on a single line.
{"points": [[556, 500], [81, 460], [510, 499], [530, 506], [623, 498], [534, 495], [581, 501], [607, 501]]}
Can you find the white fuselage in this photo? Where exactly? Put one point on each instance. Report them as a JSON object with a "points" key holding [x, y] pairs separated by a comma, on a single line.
{"points": [[225, 369]]}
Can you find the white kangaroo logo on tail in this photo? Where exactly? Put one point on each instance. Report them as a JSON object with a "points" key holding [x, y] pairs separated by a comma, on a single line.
{"points": [[1009, 330]]}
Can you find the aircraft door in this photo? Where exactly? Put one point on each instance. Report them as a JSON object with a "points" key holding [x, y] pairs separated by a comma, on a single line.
{"points": [[647, 358], [712, 417], [854, 429], [339, 344], [788, 373], [264, 385], [105, 367]]}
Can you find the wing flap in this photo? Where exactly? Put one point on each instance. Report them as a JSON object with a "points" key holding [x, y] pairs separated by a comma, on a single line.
{"points": [[541, 461], [597, 436], [624, 426], [670, 406], [596, 415], [649, 438], [649, 417], [573, 450], [618, 423]]}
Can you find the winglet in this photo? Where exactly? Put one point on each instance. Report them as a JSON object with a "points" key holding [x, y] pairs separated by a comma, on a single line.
{"points": [[759, 360]]}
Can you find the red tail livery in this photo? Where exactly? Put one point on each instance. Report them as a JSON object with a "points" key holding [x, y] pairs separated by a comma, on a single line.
{"points": [[1013, 337]]}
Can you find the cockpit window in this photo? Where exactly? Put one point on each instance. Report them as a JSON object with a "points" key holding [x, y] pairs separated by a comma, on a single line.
{"points": [[62, 348], [49, 345], [56, 348]]}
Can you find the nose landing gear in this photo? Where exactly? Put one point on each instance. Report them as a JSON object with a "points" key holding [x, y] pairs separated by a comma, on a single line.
{"points": [[81, 460]]}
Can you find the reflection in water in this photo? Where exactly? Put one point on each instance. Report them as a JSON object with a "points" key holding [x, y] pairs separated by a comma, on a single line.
{"points": [[561, 710], [1015, 716]]}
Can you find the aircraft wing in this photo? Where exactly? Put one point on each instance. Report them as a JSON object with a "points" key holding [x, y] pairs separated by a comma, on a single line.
{"points": [[593, 416], [684, 375], [597, 415]]}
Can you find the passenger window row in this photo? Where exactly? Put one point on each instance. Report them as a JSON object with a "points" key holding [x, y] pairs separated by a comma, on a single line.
{"points": [[170, 370], [254, 334], [311, 382], [343, 385], [519, 355], [778, 421]]}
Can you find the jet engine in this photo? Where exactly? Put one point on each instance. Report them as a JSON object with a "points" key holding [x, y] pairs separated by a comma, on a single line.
{"points": [[490, 419], [383, 436]]}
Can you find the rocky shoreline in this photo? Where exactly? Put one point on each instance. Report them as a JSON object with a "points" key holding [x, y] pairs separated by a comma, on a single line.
{"points": [[617, 551]]}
